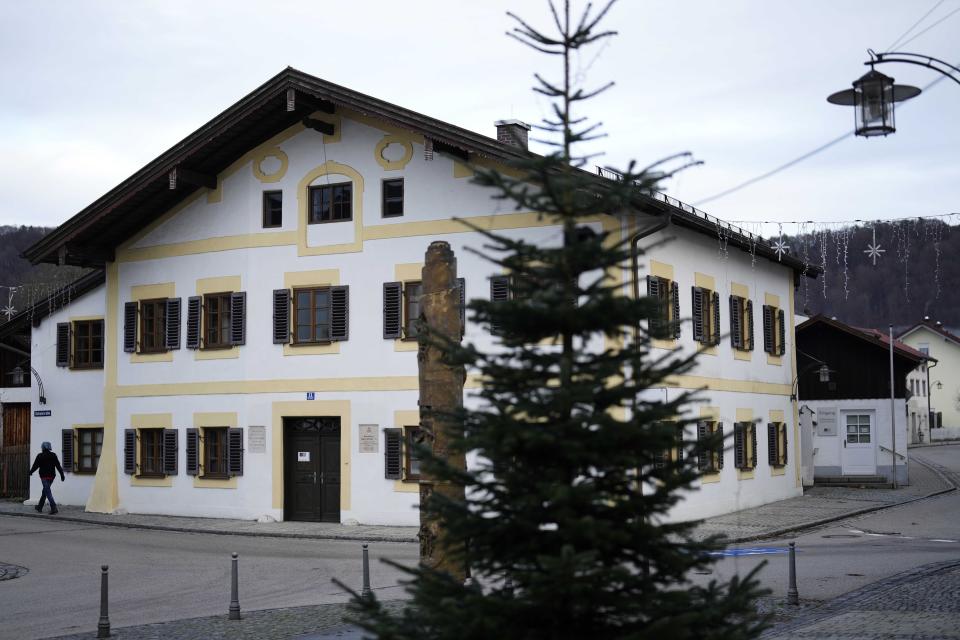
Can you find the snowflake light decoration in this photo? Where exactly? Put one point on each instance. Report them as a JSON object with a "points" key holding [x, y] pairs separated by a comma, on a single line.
{"points": [[780, 247], [873, 250], [9, 311]]}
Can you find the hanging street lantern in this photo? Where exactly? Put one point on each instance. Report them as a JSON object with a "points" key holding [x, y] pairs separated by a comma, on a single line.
{"points": [[873, 96]]}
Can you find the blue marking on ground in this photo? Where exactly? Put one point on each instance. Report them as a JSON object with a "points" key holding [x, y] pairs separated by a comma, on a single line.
{"points": [[750, 551]]}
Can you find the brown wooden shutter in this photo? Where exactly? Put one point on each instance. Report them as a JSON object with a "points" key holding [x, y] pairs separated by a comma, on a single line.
{"points": [[703, 451], [462, 293], [772, 444], [698, 334], [679, 436], [784, 442], [193, 451], [281, 316], [720, 443], [675, 295], [739, 446], [339, 313], [781, 328], [130, 313], [753, 444], [66, 449], [170, 451], [653, 291], [63, 344], [716, 317], [194, 307], [748, 312], [736, 329], [235, 451], [499, 292], [172, 323], [238, 317], [768, 328], [392, 453], [392, 310], [130, 451]]}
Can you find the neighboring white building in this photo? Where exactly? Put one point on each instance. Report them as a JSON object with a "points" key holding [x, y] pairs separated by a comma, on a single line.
{"points": [[855, 428], [940, 381], [258, 281]]}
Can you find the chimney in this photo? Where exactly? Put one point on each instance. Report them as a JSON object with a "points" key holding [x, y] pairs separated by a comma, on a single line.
{"points": [[512, 132]]}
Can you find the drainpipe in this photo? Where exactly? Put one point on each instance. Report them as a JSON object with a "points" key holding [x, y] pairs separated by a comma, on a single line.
{"points": [[893, 415], [636, 238]]}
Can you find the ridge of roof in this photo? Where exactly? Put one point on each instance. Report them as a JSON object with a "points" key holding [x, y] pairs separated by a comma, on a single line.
{"points": [[213, 140], [874, 336], [937, 328]]}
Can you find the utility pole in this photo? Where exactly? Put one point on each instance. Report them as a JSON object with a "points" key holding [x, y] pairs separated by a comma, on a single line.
{"points": [[441, 394], [893, 414]]}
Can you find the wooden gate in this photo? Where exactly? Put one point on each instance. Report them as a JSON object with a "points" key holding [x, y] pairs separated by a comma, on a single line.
{"points": [[15, 452]]}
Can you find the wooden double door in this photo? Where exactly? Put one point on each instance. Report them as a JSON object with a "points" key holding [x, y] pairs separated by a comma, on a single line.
{"points": [[311, 469]]}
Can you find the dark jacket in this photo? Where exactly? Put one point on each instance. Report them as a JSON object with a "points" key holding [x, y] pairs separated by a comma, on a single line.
{"points": [[47, 462]]}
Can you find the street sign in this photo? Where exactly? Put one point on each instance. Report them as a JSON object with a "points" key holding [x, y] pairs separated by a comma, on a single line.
{"points": [[42, 413], [311, 395]]}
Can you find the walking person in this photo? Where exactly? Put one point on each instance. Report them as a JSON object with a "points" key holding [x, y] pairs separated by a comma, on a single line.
{"points": [[47, 462]]}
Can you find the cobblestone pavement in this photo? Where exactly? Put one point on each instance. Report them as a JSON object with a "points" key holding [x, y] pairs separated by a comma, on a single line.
{"points": [[295, 623], [11, 571], [818, 505], [921, 604]]}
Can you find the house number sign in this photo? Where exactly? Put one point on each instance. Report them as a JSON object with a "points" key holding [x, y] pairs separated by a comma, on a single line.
{"points": [[303, 456]]}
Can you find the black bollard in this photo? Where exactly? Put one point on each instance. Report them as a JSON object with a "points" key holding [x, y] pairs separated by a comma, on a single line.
{"points": [[103, 626], [792, 596], [366, 593], [234, 590]]}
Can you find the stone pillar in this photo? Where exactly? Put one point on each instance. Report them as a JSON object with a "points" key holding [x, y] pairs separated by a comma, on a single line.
{"points": [[441, 393]]}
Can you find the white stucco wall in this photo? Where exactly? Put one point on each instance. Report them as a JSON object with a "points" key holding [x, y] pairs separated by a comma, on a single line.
{"points": [[74, 396], [946, 397]]}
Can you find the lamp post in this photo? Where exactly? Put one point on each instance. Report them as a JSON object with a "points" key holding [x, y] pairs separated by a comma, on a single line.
{"points": [[874, 94]]}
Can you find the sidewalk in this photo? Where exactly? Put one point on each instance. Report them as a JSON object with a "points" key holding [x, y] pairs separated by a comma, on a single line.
{"points": [[817, 506]]}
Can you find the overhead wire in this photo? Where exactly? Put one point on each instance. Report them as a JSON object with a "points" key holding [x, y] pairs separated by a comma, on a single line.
{"points": [[906, 42], [913, 26]]}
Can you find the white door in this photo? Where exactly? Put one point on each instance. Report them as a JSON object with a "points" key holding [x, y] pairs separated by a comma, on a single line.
{"points": [[859, 448]]}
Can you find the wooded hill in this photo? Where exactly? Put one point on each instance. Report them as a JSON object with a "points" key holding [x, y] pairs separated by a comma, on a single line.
{"points": [[905, 284]]}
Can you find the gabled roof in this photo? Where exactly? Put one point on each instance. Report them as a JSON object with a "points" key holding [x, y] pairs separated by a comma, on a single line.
{"points": [[90, 237], [873, 336], [935, 327]]}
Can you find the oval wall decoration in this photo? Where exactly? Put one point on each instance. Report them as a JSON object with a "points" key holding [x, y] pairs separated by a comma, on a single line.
{"points": [[393, 152], [267, 161]]}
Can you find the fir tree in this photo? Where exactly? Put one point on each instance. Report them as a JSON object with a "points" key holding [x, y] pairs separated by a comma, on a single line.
{"points": [[563, 528]]}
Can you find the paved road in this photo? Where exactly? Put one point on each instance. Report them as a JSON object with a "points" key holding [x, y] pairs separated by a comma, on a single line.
{"points": [[157, 575], [853, 553]]}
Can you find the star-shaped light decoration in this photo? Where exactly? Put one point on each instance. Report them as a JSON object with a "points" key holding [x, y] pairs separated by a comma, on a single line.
{"points": [[780, 247], [9, 311], [873, 252]]}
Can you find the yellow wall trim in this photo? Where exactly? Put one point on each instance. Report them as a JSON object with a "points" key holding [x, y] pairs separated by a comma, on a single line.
{"points": [[303, 206], [277, 176], [393, 165]]}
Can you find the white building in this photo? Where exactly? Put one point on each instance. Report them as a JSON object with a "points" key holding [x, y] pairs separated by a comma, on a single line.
{"points": [[937, 404], [259, 277]]}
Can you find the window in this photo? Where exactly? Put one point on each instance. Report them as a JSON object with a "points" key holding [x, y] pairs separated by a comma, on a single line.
{"points": [[331, 203], [215, 452], [216, 321], [741, 323], [151, 452], [777, 444], [706, 316], [412, 294], [924, 348], [272, 209], [392, 198], [674, 454], [88, 344], [413, 437], [152, 326], [710, 446], [858, 429], [745, 445], [774, 332], [320, 315], [311, 315], [89, 444], [924, 383], [665, 323]]}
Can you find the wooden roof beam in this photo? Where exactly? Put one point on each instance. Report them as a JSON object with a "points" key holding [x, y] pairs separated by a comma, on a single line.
{"points": [[318, 125], [179, 175]]}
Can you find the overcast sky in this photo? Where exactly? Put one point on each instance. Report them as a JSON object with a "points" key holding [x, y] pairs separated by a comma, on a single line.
{"points": [[92, 91]]}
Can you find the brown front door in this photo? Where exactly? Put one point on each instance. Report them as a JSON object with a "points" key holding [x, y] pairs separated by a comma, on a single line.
{"points": [[311, 465], [15, 451]]}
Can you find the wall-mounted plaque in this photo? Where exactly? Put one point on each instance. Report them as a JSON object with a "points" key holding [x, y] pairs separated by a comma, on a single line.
{"points": [[369, 438], [257, 439]]}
